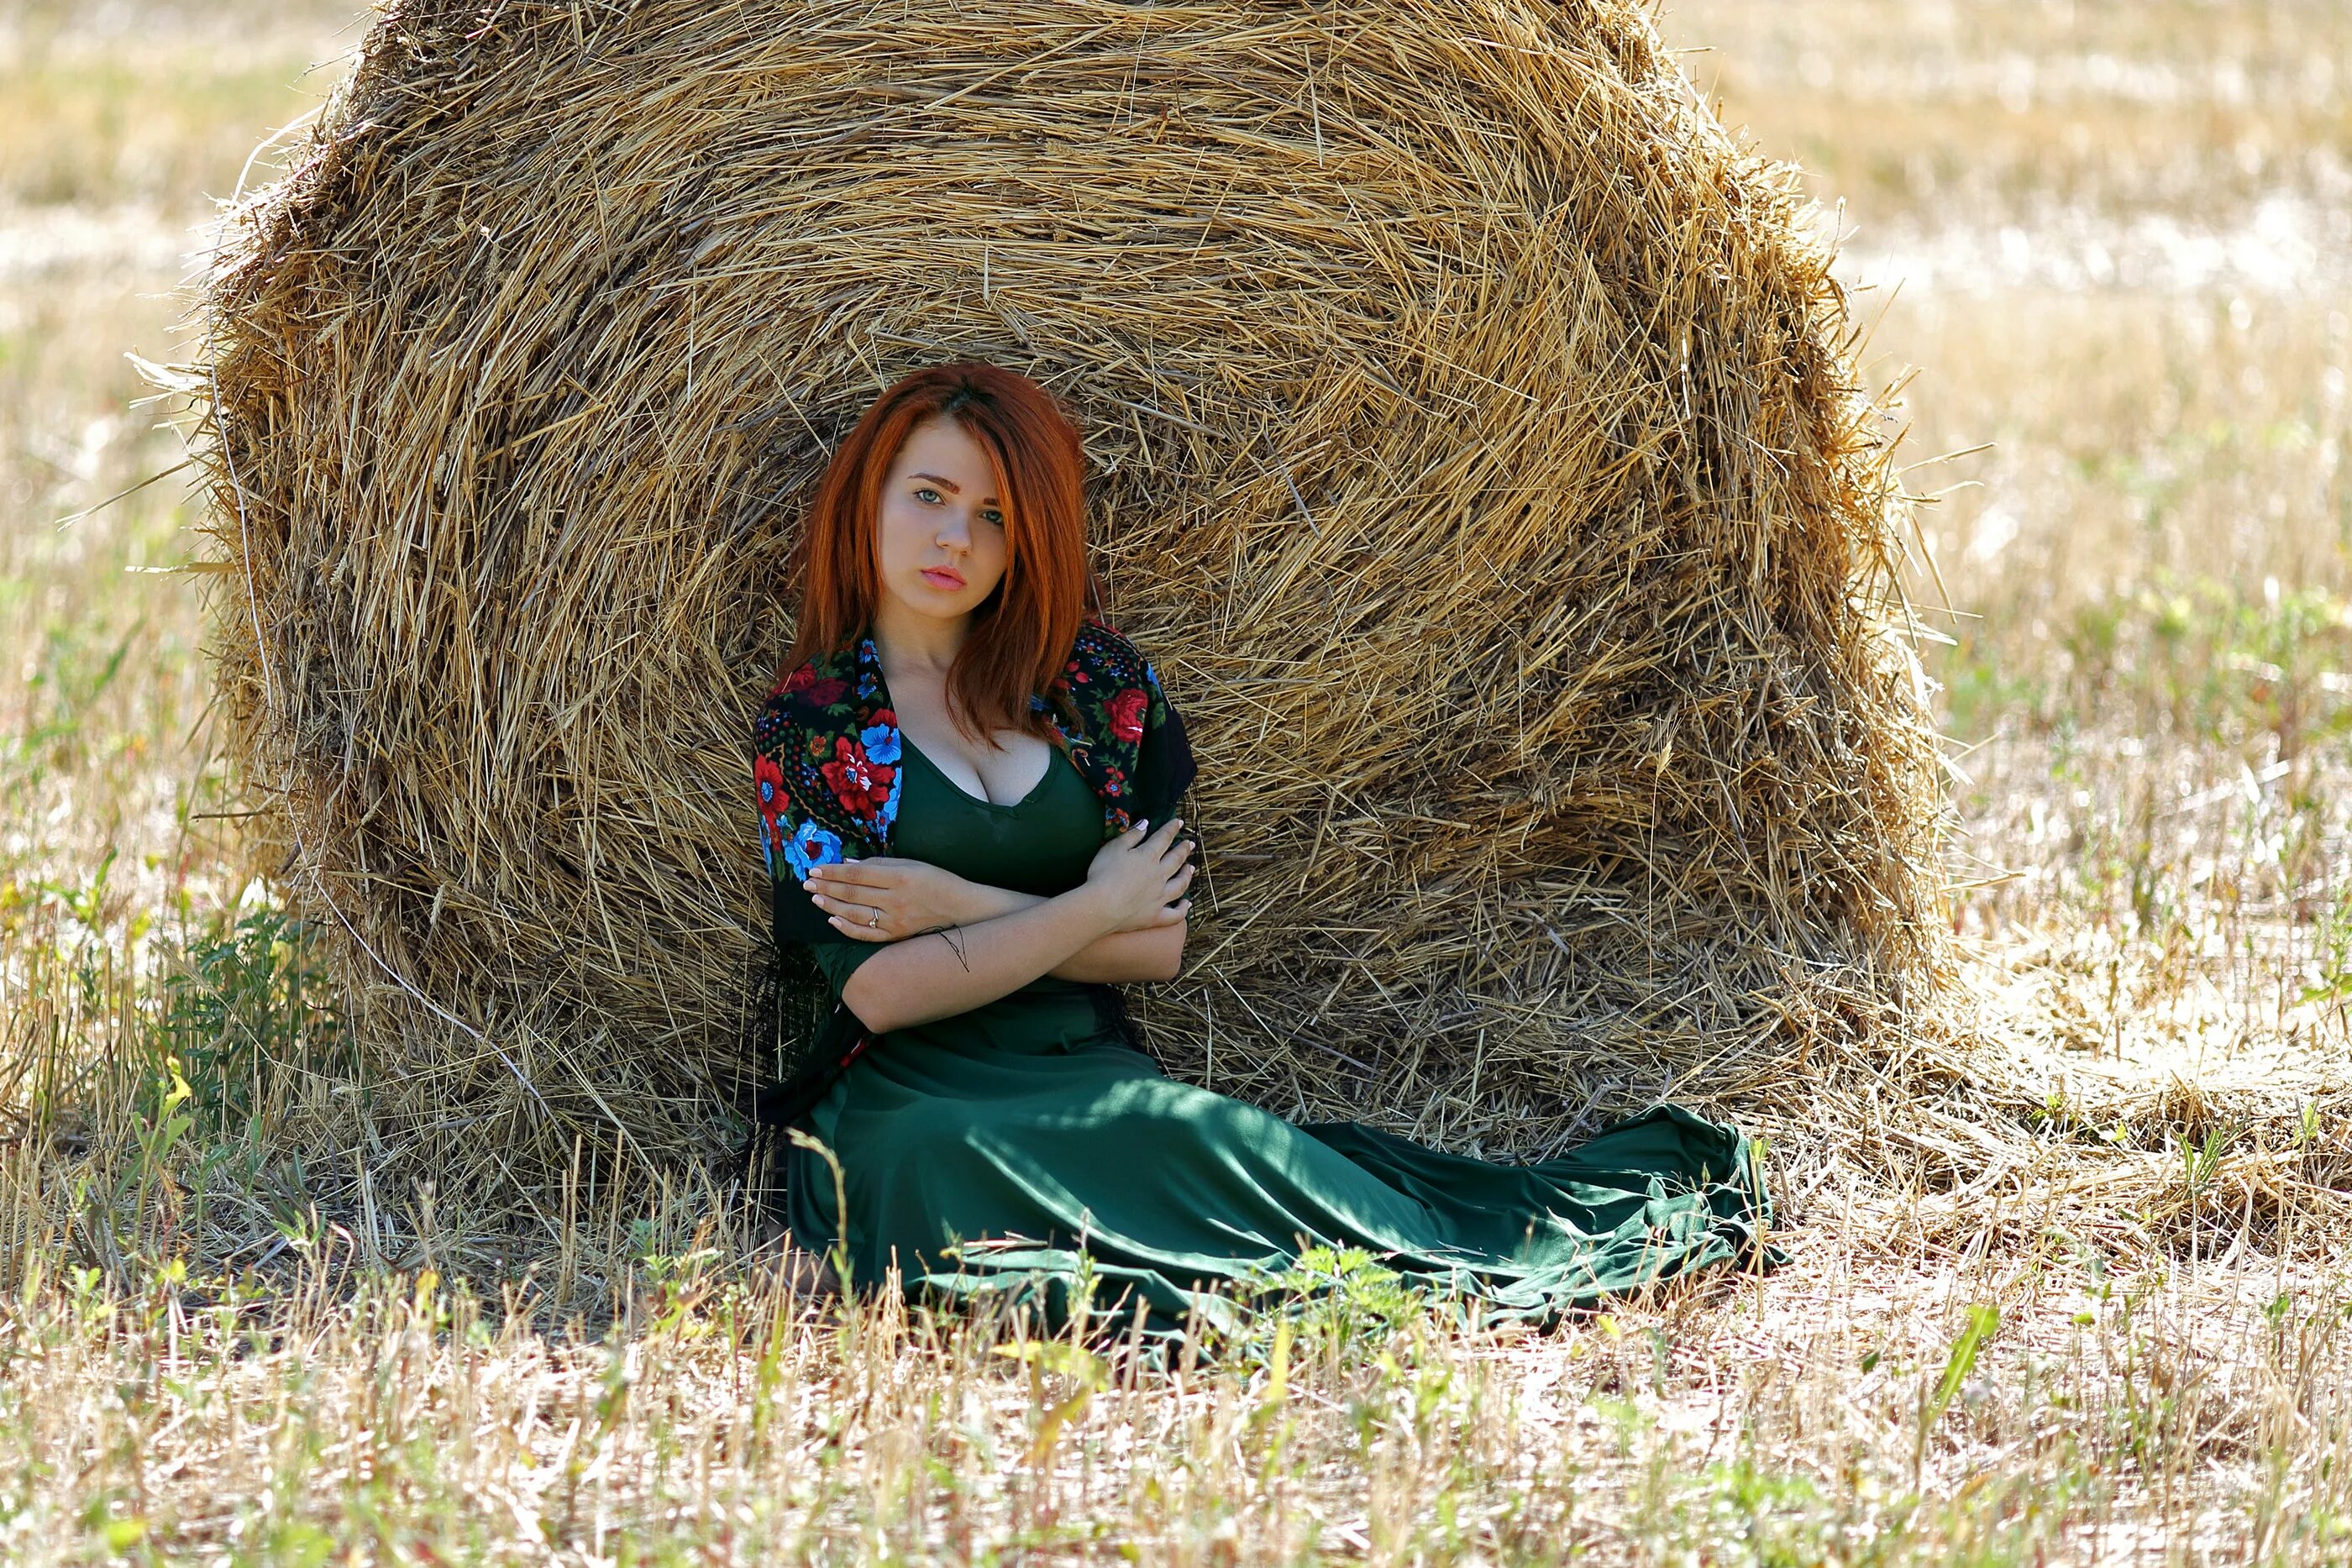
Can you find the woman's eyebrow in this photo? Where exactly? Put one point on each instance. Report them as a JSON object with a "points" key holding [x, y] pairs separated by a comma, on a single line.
{"points": [[939, 479]]}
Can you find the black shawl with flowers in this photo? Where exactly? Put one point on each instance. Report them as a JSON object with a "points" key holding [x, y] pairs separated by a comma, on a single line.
{"points": [[827, 775]]}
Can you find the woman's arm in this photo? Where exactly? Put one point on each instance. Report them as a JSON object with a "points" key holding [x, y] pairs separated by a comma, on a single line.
{"points": [[1133, 880], [912, 896], [1151, 953]]}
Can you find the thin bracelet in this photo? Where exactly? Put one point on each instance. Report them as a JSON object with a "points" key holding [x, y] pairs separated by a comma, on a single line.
{"points": [[954, 946]]}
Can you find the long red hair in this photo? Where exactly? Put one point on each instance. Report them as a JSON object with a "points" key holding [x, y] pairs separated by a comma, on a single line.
{"points": [[1022, 632]]}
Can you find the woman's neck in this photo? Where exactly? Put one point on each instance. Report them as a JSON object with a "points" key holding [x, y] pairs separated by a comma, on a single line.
{"points": [[908, 640]]}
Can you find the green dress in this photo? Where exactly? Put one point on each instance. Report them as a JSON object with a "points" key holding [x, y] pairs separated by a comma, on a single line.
{"points": [[983, 1151]]}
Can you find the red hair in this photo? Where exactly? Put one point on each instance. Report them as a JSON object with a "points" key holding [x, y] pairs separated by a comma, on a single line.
{"points": [[1021, 634]]}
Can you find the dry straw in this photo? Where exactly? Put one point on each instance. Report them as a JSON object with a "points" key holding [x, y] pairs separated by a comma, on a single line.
{"points": [[1474, 442]]}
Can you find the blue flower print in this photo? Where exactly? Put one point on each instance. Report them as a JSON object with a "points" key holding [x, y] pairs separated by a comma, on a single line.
{"points": [[867, 662], [880, 741], [889, 813], [811, 846]]}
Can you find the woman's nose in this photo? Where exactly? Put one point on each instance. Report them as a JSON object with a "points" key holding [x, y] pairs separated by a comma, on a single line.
{"points": [[954, 531]]}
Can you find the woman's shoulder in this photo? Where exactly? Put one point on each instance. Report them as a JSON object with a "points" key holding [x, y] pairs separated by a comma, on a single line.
{"points": [[1118, 697], [1102, 652], [817, 692]]}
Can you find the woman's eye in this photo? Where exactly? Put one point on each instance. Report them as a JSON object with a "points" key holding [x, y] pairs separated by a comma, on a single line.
{"points": [[996, 518], [924, 493]]}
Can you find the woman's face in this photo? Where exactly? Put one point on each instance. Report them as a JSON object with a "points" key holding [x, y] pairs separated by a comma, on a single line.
{"points": [[940, 538]]}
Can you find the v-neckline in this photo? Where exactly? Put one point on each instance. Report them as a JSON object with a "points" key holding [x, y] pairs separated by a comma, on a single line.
{"points": [[1053, 754]]}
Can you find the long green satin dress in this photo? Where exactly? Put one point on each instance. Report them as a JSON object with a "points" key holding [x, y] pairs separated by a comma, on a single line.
{"points": [[981, 1151]]}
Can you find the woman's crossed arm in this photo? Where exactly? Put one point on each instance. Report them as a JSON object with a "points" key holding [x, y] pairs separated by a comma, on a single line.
{"points": [[1124, 922], [885, 898]]}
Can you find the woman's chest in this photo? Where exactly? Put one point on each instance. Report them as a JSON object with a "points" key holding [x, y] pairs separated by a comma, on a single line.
{"points": [[1001, 773], [1042, 845]]}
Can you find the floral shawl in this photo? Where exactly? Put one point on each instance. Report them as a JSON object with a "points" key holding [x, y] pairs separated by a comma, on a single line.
{"points": [[827, 775]]}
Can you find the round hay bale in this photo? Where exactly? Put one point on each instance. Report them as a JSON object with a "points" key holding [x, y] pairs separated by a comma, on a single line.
{"points": [[1474, 444]]}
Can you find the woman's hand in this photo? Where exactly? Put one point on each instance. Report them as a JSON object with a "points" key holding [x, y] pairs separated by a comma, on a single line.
{"points": [[1140, 879], [883, 898]]}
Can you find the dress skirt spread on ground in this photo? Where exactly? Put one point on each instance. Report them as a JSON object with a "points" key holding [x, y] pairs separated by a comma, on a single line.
{"points": [[981, 1154]]}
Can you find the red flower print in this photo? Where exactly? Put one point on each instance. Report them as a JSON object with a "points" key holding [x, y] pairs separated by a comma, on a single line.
{"points": [[861, 784], [1127, 713], [826, 692], [800, 680], [770, 780]]}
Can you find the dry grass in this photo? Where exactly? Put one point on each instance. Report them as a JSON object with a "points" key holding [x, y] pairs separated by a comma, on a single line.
{"points": [[1848, 1416], [2145, 1174]]}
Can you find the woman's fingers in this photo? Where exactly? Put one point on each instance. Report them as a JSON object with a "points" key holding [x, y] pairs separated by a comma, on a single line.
{"points": [[849, 906], [1140, 832], [849, 915], [846, 875], [866, 922], [1168, 913], [861, 931]]}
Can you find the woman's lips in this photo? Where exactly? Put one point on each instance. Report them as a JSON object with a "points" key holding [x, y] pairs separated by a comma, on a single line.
{"points": [[940, 577]]}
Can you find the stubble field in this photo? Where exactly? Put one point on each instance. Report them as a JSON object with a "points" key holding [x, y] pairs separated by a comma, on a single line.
{"points": [[2096, 1310]]}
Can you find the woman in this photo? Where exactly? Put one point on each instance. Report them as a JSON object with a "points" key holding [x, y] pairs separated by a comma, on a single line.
{"points": [[968, 791]]}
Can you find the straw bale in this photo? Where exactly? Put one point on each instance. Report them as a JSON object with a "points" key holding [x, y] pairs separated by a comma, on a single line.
{"points": [[1474, 442]]}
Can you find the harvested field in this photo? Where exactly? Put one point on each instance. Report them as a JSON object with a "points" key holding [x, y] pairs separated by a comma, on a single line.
{"points": [[2085, 1302]]}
